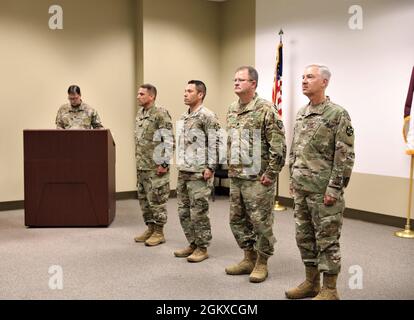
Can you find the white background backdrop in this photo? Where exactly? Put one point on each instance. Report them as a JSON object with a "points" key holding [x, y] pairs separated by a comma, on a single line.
{"points": [[371, 68]]}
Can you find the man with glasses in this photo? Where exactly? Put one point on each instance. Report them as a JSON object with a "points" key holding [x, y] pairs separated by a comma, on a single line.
{"points": [[77, 115], [257, 152]]}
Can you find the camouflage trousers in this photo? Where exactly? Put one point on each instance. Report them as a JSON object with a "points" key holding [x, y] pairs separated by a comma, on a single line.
{"points": [[153, 193], [193, 193], [318, 229], [251, 215]]}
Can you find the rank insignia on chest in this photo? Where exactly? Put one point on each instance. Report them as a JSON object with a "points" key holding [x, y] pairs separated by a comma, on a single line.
{"points": [[350, 131]]}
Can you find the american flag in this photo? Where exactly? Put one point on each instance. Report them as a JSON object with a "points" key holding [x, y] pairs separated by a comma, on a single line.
{"points": [[409, 101], [408, 130], [277, 82]]}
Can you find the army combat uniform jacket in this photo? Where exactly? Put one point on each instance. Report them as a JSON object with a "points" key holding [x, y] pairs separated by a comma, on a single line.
{"points": [[148, 124], [322, 153], [242, 121], [82, 117], [195, 151]]}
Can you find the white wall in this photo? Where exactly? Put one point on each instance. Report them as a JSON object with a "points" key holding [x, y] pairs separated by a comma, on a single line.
{"points": [[371, 68]]}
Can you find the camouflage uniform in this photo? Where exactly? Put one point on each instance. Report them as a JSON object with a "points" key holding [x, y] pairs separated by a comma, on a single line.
{"points": [[251, 203], [193, 158], [82, 117], [321, 161], [153, 190]]}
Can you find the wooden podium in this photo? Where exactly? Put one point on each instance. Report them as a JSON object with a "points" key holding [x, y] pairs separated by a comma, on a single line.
{"points": [[69, 178]]}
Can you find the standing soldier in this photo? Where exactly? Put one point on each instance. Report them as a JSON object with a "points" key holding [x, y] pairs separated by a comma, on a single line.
{"points": [[198, 147], [153, 128], [321, 161], [254, 128]]}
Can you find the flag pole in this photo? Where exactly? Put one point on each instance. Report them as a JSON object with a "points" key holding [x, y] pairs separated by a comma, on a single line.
{"points": [[408, 233], [277, 206]]}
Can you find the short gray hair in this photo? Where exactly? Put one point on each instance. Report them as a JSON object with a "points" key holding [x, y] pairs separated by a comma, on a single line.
{"points": [[253, 74], [324, 70]]}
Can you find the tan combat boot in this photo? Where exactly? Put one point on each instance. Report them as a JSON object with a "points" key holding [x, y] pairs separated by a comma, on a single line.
{"points": [[147, 233], [157, 236], [328, 291], [198, 255], [184, 253], [307, 289], [259, 273], [245, 266]]}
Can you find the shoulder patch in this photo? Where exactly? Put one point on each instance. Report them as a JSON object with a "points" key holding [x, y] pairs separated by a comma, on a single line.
{"points": [[168, 126], [280, 124], [350, 131]]}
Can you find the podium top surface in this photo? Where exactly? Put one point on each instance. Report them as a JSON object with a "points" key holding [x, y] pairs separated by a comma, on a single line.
{"points": [[61, 130], [73, 144], [106, 132]]}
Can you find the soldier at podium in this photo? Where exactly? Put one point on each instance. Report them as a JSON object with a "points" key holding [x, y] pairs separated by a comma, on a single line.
{"points": [[77, 115], [153, 128]]}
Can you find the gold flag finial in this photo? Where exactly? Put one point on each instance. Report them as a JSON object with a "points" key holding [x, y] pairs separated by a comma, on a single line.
{"points": [[281, 33]]}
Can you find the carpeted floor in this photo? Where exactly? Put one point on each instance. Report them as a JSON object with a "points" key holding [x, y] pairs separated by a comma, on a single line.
{"points": [[105, 263]]}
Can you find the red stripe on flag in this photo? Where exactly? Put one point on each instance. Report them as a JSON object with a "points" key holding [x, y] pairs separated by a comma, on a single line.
{"points": [[277, 80]]}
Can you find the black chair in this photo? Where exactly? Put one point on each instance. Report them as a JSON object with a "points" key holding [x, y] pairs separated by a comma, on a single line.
{"points": [[221, 173]]}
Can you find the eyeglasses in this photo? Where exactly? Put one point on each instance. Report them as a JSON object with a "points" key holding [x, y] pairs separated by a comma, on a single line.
{"points": [[241, 80]]}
